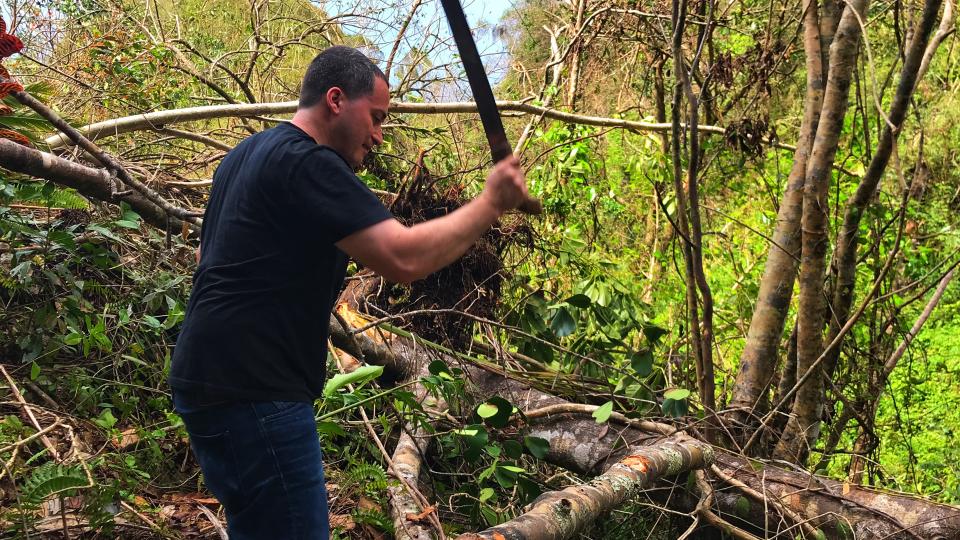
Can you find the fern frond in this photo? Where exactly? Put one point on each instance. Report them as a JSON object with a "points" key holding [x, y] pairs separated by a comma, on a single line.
{"points": [[372, 477], [50, 479]]}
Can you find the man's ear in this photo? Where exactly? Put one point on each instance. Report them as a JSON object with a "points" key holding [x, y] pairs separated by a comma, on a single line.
{"points": [[335, 98]]}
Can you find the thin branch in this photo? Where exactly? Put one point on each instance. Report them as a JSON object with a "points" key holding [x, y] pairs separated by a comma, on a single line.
{"points": [[29, 412]]}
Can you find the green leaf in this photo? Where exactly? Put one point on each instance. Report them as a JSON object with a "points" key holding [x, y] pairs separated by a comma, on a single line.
{"points": [[126, 224], [440, 369], [538, 447], [642, 363], [485, 494], [106, 420], [62, 238], [512, 449], [360, 375], [675, 402], [34, 371], [579, 300], [603, 412], [330, 429], [487, 410], [502, 417], [490, 516], [677, 394], [563, 324], [505, 477], [51, 479], [653, 333]]}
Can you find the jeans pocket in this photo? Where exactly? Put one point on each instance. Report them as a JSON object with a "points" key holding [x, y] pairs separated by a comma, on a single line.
{"points": [[272, 410], [216, 458]]}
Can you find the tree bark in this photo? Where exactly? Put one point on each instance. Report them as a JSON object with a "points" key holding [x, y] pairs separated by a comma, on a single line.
{"points": [[562, 514], [759, 357], [802, 428], [88, 181], [848, 239]]}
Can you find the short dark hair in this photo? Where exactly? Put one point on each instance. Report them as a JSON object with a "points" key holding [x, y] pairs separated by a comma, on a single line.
{"points": [[343, 67]]}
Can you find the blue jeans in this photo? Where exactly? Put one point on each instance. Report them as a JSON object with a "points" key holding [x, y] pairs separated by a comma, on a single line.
{"points": [[262, 461]]}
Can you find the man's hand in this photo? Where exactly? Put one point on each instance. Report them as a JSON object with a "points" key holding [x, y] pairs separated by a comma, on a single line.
{"points": [[506, 186]]}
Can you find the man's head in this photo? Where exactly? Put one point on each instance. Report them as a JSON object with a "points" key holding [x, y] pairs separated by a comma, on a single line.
{"points": [[344, 99], [342, 67]]}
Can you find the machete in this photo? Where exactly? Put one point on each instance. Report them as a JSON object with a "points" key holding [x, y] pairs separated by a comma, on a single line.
{"points": [[482, 93]]}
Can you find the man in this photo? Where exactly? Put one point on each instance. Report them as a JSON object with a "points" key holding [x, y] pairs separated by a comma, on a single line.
{"points": [[285, 211]]}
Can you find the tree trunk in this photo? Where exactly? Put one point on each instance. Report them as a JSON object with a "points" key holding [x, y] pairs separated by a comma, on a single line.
{"points": [[846, 253], [88, 181], [803, 426], [562, 514], [759, 357]]}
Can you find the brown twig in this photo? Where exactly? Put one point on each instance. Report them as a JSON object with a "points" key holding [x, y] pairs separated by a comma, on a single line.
{"points": [[29, 412], [107, 160]]}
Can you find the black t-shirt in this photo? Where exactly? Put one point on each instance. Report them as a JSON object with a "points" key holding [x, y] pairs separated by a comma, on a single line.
{"points": [[269, 273]]}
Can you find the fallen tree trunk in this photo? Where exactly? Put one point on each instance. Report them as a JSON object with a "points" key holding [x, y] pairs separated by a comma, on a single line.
{"points": [[160, 119], [579, 444], [88, 181], [562, 514]]}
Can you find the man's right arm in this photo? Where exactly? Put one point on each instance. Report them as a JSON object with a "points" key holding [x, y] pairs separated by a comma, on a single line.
{"points": [[405, 254]]}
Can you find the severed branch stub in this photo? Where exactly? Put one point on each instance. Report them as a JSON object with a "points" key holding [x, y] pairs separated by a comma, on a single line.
{"points": [[562, 514]]}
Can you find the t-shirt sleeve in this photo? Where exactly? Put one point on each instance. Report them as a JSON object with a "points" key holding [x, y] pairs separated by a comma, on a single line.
{"points": [[329, 198]]}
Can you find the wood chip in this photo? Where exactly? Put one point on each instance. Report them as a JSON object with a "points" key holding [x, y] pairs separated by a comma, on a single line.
{"points": [[422, 515]]}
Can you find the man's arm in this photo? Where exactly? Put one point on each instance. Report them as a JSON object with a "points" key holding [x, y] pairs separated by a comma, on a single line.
{"points": [[405, 254]]}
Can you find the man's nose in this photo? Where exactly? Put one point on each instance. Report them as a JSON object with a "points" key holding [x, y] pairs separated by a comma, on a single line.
{"points": [[378, 136]]}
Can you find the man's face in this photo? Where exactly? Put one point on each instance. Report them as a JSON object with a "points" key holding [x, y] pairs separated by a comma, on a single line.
{"points": [[358, 126]]}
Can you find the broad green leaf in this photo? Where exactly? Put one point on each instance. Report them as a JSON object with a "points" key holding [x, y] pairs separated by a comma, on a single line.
{"points": [[440, 369], [357, 376], [501, 416], [126, 224], [677, 394], [330, 429], [485, 494], [562, 324], [538, 447], [487, 410], [603, 412], [505, 477], [512, 449], [34, 371], [642, 363], [106, 420], [579, 300], [653, 333]]}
